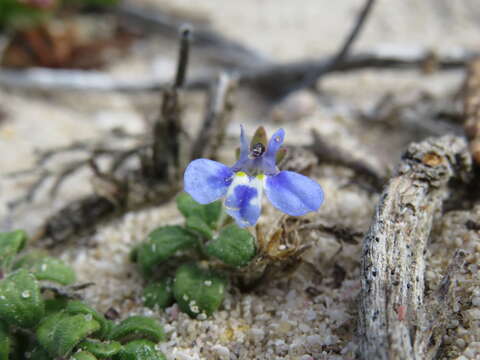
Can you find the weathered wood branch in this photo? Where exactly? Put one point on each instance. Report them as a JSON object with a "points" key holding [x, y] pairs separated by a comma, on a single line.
{"points": [[471, 107], [218, 114], [394, 317]]}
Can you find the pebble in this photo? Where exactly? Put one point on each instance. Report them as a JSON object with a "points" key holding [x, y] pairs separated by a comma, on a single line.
{"points": [[314, 340], [474, 314], [310, 315], [306, 357], [257, 333], [221, 351]]}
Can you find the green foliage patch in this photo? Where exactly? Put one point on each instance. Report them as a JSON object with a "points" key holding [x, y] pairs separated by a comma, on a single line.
{"points": [[57, 327], [174, 252]]}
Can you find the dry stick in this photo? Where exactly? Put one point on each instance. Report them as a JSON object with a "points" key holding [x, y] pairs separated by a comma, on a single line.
{"points": [[183, 56], [167, 128], [268, 79], [217, 116], [362, 17], [344, 50], [30, 193], [64, 173], [392, 312], [329, 153], [471, 108], [440, 309], [276, 79]]}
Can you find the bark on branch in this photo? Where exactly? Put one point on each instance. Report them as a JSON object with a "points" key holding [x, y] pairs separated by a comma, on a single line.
{"points": [[471, 107], [395, 319]]}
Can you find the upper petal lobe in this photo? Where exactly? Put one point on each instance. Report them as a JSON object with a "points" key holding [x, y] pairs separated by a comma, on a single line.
{"points": [[293, 193], [207, 180], [276, 141]]}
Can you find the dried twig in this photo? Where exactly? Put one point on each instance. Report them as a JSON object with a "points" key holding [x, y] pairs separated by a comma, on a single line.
{"points": [[217, 116], [353, 35], [167, 128], [33, 189], [440, 305], [471, 108], [394, 319], [420, 114], [69, 292], [42, 175], [342, 233], [344, 50], [329, 153], [275, 79]]}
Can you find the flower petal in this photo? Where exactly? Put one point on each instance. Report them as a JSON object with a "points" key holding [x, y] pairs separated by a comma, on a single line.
{"points": [[244, 146], [292, 193], [275, 142], [207, 180], [244, 197], [243, 161], [269, 159]]}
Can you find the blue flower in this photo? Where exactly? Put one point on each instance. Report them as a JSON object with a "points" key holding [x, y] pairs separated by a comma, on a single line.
{"points": [[242, 184]]}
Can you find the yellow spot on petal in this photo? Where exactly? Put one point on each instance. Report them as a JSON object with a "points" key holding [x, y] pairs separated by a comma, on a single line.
{"points": [[261, 176], [241, 173]]}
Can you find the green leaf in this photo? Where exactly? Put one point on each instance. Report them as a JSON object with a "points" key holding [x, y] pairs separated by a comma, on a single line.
{"points": [[140, 350], [55, 305], [200, 226], [209, 213], [20, 301], [16, 14], [83, 355], [79, 307], [40, 353], [10, 244], [95, 2], [159, 294], [59, 333], [136, 327], [234, 246], [100, 349], [30, 258], [161, 244], [198, 291], [47, 268], [5, 341], [21, 342]]}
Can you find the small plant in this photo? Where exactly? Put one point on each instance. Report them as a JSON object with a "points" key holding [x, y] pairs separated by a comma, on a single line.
{"points": [[27, 13], [39, 324], [176, 259], [182, 263]]}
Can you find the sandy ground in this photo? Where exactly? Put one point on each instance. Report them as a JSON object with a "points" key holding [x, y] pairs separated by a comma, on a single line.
{"points": [[281, 321]]}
